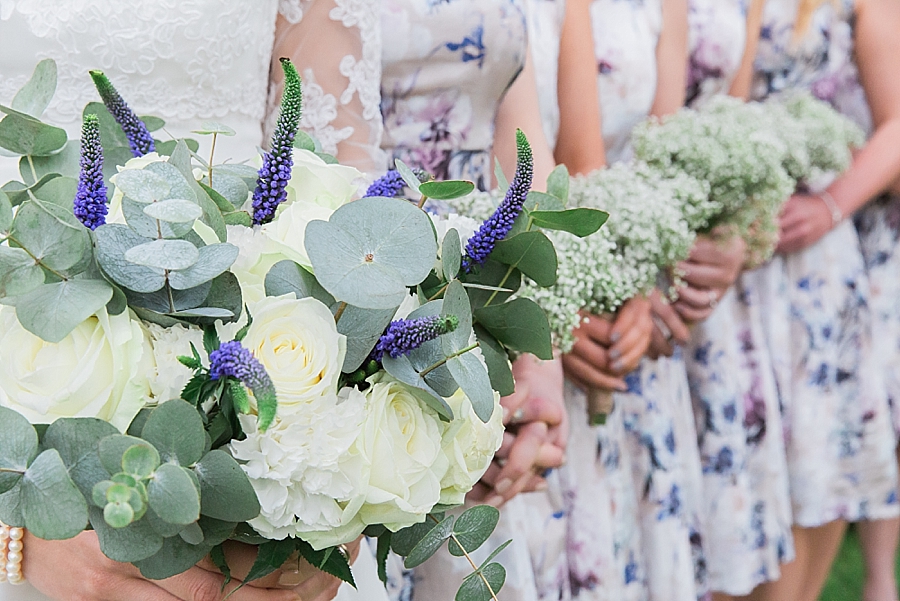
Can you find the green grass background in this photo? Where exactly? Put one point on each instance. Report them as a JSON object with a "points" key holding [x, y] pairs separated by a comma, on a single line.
{"points": [[846, 580]]}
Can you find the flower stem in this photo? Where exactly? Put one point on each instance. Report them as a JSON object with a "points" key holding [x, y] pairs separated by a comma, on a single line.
{"points": [[6, 470], [439, 292], [340, 312], [422, 201], [31, 164], [443, 361], [212, 152]]}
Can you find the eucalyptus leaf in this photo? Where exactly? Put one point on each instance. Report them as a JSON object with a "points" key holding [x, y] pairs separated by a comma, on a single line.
{"points": [[50, 234], [473, 588], [25, 135], [304, 141], [18, 447], [181, 160], [532, 253], [174, 210], [144, 225], [581, 221], [558, 183], [164, 254], [451, 254], [497, 361], [502, 181], [64, 163], [363, 328], [213, 260], [411, 179], [135, 542], [140, 461], [52, 311], [34, 97], [192, 534], [225, 294], [78, 441], [456, 303], [446, 190], [111, 134], [181, 300], [403, 541], [53, 507], [226, 492], [519, 324], [168, 147], [403, 370], [19, 273], [60, 191], [6, 214], [211, 312], [430, 543], [176, 430], [11, 506], [112, 448], [175, 557], [230, 187], [213, 127], [371, 250], [113, 241], [431, 353], [142, 185], [17, 192], [118, 303], [491, 275], [472, 377], [152, 123], [473, 528], [173, 496], [286, 277]]}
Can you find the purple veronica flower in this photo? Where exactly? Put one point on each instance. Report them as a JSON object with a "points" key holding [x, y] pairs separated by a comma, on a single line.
{"points": [[497, 226], [90, 200], [231, 359], [406, 335], [275, 173], [388, 185], [139, 137]]}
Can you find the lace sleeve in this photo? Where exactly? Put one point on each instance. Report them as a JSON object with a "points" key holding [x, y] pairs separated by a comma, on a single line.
{"points": [[336, 46]]}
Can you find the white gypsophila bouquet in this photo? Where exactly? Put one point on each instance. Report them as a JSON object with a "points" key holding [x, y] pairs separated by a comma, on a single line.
{"points": [[194, 352]]}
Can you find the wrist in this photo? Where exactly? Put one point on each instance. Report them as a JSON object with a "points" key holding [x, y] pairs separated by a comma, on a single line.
{"points": [[837, 216], [12, 548]]}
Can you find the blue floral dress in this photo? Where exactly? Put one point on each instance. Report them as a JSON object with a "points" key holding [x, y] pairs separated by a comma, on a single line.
{"points": [[634, 483], [837, 423], [746, 503]]}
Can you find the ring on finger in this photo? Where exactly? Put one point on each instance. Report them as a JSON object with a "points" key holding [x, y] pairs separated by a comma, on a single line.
{"points": [[713, 299], [518, 415]]}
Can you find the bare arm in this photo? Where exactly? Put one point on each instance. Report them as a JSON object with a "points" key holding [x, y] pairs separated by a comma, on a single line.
{"points": [[580, 144], [519, 109], [671, 59], [740, 86]]}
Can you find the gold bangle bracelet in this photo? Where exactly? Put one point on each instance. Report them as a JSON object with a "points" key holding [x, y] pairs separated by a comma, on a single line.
{"points": [[12, 546]]}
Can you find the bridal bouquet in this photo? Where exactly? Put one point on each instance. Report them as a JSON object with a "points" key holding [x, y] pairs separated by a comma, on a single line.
{"points": [[752, 156], [192, 352]]}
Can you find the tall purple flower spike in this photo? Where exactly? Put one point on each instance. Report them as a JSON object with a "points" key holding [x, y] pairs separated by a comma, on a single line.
{"points": [[498, 225], [275, 173], [139, 138], [406, 335], [232, 359], [90, 200]]}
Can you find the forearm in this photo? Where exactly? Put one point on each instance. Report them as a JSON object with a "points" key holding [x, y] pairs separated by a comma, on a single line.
{"points": [[875, 169]]}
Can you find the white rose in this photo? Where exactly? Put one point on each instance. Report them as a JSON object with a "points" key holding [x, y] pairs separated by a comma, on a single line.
{"points": [[298, 343], [314, 181], [400, 444], [99, 370], [115, 215], [464, 226], [469, 445], [169, 377], [306, 484]]}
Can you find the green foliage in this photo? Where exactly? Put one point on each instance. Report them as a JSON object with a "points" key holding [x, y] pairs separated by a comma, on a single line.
{"points": [[451, 254], [531, 253], [22, 134], [520, 325], [581, 221], [34, 97], [225, 492], [410, 178], [473, 528], [446, 190], [558, 183]]}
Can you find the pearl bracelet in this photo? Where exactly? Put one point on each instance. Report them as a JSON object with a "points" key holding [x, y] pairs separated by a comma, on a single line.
{"points": [[12, 546], [836, 214]]}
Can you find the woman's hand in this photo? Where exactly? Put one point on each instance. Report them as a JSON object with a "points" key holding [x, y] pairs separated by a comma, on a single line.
{"points": [[605, 351], [713, 267], [76, 570], [668, 328], [537, 430], [804, 221]]}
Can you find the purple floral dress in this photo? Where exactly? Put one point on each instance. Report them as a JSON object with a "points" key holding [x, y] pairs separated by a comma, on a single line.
{"points": [[837, 423], [746, 503], [446, 65]]}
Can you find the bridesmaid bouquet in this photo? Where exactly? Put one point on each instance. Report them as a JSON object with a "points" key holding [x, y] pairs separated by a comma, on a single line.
{"points": [[752, 156], [193, 352]]}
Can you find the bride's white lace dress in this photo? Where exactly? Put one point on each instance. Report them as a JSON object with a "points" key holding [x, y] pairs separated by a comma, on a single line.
{"points": [[185, 61]]}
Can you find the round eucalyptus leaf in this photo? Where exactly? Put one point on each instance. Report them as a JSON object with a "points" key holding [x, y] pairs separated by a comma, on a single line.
{"points": [[192, 534], [25, 135], [34, 97], [98, 494], [213, 260], [472, 377], [142, 185], [164, 254], [112, 448], [456, 303], [226, 492], [113, 241], [18, 446], [232, 188], [144, 225], [118, 493], [118, 514], [19, 274], [126, 479], [173, 496], [174, 210], [363, 328], [78, 440], [176, 430], [371, 250], [451, 255], [473, 528], [446, 190], [51, 234], [214, 127], [6, 214], [140, 461], [473, 588], [133, 543], [286, 277], [59, 191], [53, 507], [401, 369], [430, 543], [52, 311]]}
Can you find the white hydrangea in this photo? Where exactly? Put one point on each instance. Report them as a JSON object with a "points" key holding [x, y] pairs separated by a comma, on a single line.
{"points": [[169, 376]]}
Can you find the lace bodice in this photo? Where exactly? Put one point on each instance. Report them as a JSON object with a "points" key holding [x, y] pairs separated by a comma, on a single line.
{"points": [[718, 35], [820, 59], [625, 36], [545, 21], [183, 60]]}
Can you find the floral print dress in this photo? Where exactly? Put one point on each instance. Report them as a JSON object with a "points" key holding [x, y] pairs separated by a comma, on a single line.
{"points": [[633, 484], [446, 65], [746, 503], [837, 423]]}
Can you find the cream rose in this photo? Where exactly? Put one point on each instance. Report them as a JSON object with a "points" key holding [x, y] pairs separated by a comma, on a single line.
{"points": [[400, 444], [169, 377], [469, 445], [298, 343], [100, 370], [314, 181]]}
